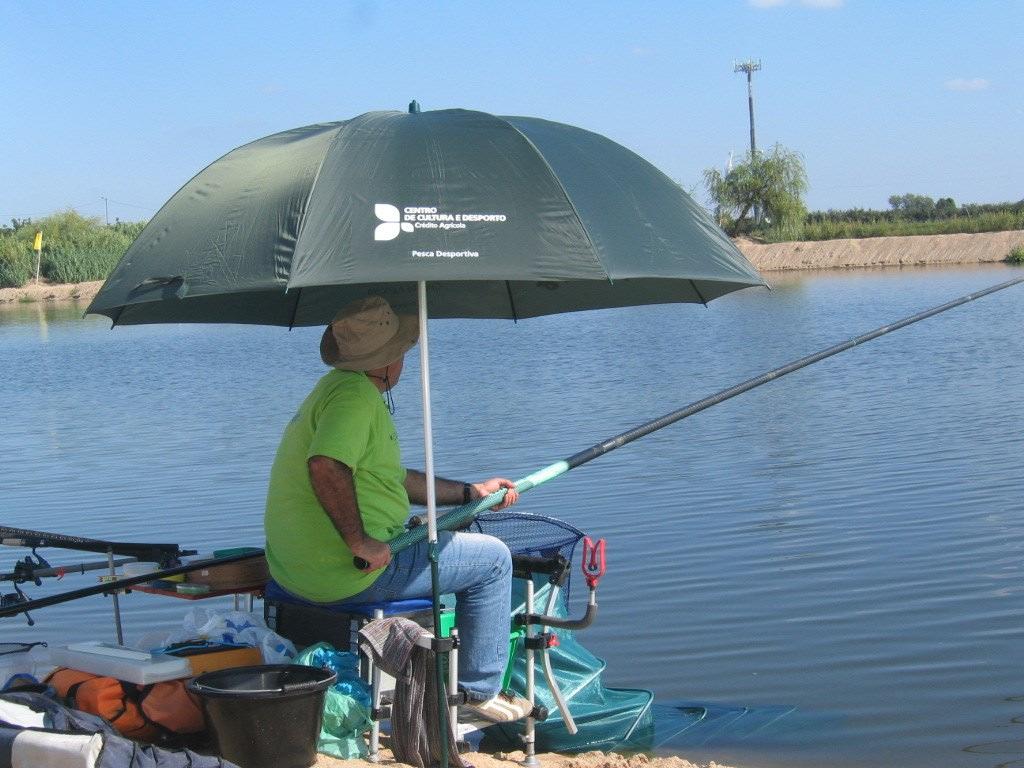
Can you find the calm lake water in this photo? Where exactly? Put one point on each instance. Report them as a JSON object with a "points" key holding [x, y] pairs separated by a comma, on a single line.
{"points": [[847, 540]]}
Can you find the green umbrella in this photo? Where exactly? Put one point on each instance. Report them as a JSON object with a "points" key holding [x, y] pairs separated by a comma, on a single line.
{"points": [[469, 214], [541, 217]]}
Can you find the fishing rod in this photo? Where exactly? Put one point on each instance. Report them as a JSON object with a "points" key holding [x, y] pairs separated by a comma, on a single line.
{"points": [[119, 584], [29, 570], [460, 516], [24, 537]]}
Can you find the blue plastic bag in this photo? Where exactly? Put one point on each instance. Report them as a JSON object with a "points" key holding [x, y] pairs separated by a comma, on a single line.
{"points": [[347, 704]]}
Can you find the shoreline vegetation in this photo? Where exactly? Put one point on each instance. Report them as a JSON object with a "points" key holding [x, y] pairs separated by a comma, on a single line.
{"points": [[847, 253], [78, 252]]}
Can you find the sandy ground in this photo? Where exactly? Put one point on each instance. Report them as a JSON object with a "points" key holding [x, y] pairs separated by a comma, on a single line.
{"points": [[823, 254], [883, 251], [82, 292], [547, 760]]}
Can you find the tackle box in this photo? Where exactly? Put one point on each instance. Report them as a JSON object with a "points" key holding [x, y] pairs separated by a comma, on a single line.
{"points": [[128, 664]]}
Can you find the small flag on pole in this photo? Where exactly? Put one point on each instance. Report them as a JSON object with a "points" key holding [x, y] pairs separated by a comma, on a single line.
{"points": [[37, 246]]}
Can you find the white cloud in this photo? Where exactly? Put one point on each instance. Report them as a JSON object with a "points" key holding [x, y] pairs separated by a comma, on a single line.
{"points": [[967, 84]]}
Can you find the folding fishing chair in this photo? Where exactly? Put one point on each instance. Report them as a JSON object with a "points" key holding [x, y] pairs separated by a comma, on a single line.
{"points": [[542, 547], [306, 623]]}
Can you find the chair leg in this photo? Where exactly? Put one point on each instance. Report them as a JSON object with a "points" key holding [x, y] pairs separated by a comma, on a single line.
{"points": [[375, 698], [453, 683]]}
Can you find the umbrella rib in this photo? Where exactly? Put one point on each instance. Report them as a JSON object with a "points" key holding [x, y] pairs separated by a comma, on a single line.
{"points": [[295, 309], [511, 302], [309, 196], [699, 294], [568, 199]]}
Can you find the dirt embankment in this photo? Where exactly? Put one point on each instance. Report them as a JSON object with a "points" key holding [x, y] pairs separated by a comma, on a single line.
{"points": [[821, 254], [50, 292], [883, 251]]}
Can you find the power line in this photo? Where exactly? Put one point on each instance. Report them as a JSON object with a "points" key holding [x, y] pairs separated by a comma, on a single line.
{"points": [[130, 205]]}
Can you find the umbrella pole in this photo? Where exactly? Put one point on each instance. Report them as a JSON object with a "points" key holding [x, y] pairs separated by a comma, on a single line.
{"points": [[432, 548]]}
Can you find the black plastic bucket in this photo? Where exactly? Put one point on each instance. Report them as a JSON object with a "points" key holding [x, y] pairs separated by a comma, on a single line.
{"points": [[265, 716]]}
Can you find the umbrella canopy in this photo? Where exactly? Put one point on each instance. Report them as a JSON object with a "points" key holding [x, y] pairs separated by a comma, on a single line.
{"points": [[541, 217]]}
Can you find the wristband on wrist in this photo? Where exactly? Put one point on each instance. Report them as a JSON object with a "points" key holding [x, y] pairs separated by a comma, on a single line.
{"points": [[467, 495]]}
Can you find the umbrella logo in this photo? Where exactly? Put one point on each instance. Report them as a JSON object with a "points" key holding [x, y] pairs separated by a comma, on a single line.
{"points": [[391, 222]]}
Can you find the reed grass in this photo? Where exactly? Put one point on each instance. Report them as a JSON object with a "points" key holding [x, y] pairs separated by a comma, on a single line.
{"points": [[1016, 256], [834, 229], [77, 265], [17, 265]]}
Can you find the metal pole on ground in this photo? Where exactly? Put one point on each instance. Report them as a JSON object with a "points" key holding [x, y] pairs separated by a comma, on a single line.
{"points": [[432, 548], [37, 246], [114, 598]]}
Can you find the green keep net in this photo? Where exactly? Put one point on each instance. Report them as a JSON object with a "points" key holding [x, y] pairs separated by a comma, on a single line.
{"points": [[607, 718]]}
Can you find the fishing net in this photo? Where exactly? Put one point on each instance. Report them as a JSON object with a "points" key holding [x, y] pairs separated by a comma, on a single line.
{"points": [[533, 535], [607, 718]]}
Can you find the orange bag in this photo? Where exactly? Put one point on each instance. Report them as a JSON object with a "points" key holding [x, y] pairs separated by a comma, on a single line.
{"points": [[156, 713]]}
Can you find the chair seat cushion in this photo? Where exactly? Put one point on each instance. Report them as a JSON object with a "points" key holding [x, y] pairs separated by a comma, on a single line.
{"points": [[275, 593]]}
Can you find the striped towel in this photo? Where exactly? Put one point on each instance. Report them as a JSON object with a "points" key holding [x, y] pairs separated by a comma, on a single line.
{"points": [[414, 715]]}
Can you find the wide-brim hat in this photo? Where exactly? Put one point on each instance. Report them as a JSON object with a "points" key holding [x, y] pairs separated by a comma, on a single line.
{"points": [[367, 334]]}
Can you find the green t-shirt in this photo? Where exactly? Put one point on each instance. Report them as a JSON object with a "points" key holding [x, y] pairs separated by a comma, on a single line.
{"points": [[344, 418]]}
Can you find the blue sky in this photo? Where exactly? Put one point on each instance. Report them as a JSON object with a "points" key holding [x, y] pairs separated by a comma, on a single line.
{"points": [[128, 100]]}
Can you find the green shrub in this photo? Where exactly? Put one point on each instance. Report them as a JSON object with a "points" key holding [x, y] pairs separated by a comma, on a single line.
{"points": [[17, 261], [1016, 255], [75, 248], [783, 232], [77, 265]]}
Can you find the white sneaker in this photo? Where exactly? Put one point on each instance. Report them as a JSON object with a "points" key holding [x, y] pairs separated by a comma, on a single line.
{"points": [[505, 707]]}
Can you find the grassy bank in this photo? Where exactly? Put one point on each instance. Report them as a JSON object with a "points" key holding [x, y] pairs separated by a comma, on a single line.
{"points": [[75, 248], [990, 222], [862, 223]]}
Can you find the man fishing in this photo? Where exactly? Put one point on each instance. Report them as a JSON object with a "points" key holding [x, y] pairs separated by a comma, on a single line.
{"points": [[338, 490]]}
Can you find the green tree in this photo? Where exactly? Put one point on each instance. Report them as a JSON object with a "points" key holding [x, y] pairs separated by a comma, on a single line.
{"points": [[917, 207], [945, 207], [773, 183]]}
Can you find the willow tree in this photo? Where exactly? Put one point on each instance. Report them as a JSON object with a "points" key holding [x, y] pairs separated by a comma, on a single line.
{"points": [[768, 186]]}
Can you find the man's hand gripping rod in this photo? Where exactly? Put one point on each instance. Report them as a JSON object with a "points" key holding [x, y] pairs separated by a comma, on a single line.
{"points": [[460, 516]]}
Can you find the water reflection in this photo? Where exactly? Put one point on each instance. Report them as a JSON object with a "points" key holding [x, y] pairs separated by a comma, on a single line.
{"points": [[17, 315]]}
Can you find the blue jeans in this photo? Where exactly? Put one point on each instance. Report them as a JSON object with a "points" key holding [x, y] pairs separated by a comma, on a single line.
{"points": [[478, 569]]}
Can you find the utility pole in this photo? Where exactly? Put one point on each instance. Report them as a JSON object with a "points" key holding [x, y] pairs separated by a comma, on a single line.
{"points": [[106, 209], [750, 66]]}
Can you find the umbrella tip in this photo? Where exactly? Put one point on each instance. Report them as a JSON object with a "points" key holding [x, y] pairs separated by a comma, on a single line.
{"points": [[414, 107]]}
